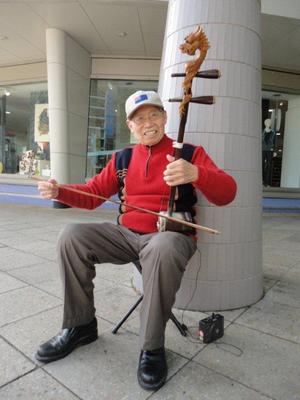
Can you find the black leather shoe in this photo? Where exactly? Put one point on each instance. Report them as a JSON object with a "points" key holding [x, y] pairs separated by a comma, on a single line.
{"points": [[66, 341], [153, 370]]}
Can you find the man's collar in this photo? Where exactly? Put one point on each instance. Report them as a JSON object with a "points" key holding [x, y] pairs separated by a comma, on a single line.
{"points": [[156, 147]]}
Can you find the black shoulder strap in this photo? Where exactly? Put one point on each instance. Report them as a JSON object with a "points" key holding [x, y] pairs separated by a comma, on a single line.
{"points": [[186, 193], [187, 151], [123, 158]]}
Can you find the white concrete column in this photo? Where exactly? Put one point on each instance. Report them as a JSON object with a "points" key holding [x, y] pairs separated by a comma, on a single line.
{"points": [[290, 172], [69, 67], [231, 263]]}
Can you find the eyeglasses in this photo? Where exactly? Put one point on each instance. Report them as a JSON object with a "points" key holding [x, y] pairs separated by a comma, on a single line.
{"points": [[152, 116]]}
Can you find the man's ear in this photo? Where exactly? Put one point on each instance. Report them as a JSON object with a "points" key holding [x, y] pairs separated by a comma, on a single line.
{"points": [[129, 124]]}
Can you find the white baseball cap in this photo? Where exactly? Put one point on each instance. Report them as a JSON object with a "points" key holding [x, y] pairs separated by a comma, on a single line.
{"points": [[141, 98]]}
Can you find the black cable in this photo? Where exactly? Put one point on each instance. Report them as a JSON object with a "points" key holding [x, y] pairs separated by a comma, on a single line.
{"points": [[231, 345], [194, 291], [196, 339], [189, 302]]}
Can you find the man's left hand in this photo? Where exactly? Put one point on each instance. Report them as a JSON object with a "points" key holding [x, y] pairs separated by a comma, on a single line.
{"points": [[179, 172]]}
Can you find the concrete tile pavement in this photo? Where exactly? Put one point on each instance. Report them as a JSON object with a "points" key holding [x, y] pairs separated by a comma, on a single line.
{"points": [[258, 357]]}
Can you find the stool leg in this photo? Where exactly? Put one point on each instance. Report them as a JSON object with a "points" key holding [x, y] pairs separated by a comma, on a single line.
{"points": [[116, 328], [181, 327]]}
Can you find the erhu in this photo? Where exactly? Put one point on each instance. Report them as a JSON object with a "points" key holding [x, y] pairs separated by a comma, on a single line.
{"points": [[194, 41]]}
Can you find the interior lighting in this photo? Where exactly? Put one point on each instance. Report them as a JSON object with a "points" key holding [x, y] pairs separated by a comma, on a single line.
{"points": [[278, 134], [271, 109], [7, 92], [7, 112]]}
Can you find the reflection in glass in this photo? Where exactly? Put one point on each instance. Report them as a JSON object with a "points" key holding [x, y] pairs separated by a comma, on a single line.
{"points": [[268, 145], [25, 127], [274, 112]]}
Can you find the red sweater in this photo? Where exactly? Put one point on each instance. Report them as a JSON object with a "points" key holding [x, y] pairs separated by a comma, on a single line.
{"points": [[145, 186]]}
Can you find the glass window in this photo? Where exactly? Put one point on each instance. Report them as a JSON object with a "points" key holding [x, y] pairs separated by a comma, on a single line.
{"points": [[280, 139], [24, 129], [107, 129]]}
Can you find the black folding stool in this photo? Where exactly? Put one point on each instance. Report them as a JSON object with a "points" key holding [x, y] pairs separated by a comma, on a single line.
{"points": [[181, 327]]}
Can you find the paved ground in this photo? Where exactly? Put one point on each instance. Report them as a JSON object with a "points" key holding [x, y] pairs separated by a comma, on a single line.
{"points": [[258, 357]]}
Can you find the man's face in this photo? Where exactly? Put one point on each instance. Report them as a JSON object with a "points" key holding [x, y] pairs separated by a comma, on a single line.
{"points": [[148, 124]]}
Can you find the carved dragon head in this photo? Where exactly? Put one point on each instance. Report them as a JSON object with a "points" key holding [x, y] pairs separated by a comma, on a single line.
{"points": [[195, 41]]}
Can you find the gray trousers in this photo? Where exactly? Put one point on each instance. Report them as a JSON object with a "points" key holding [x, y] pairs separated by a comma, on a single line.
{"points": [[163, 257]]}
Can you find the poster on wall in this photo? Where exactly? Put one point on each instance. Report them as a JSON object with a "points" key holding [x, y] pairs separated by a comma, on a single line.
{"points": [[41, 123]]}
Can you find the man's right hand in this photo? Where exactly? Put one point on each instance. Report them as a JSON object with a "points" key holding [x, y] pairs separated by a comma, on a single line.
{"points": [[48, 189]]}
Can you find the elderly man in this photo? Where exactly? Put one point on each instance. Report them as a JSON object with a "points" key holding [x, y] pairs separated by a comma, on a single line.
{"points": [[143, 178]]}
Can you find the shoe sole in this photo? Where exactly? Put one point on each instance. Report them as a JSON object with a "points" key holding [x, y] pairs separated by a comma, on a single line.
{"points": [[86, 340]]}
